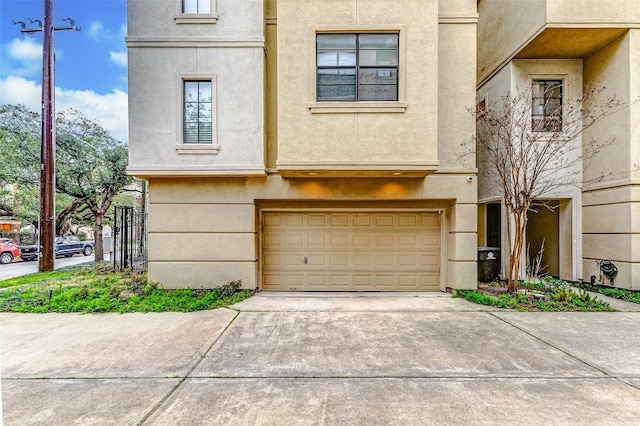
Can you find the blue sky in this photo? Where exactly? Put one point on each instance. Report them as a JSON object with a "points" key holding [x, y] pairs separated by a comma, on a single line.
{"points": [[91, 65]]}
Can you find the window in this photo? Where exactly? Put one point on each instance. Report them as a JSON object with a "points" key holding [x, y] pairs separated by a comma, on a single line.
{"points": [[198, 112], [546, 105], [196, 6], [357, 67]]}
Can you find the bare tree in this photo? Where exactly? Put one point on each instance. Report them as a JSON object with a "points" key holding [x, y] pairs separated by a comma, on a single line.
{"points": [[530, 145]]}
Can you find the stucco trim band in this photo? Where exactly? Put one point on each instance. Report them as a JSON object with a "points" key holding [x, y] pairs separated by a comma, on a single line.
{"points": [[194, 42]]}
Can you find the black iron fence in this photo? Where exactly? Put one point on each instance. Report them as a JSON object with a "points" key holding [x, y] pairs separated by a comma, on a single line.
{"points": [[129, 239]]}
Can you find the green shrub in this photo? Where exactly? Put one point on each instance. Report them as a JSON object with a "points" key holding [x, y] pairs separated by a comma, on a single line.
{"points": [[617, 293], [101, 289]]}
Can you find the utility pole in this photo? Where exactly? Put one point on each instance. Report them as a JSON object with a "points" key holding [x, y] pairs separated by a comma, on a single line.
{"points": [[47, 222]]}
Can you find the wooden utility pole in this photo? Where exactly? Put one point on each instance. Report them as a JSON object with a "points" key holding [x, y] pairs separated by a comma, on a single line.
{"points": [[48, 147], [47, 222]]}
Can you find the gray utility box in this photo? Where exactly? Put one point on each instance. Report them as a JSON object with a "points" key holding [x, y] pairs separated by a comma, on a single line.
{"points": [[488, 264]]}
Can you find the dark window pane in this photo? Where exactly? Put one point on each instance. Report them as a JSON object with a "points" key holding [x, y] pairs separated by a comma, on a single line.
{"points": [[553, 107], [204, 133], [378, 76], [337, 93], [191, 133], [546, 105], [377, 93], [357, 67], [553, 90], [336, 76]]}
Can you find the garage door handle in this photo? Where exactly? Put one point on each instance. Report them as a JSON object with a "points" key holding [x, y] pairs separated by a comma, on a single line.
{"points": [[305, 260]]}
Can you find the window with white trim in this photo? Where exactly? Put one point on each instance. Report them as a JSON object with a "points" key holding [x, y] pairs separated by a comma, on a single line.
{"points": [[357, 67], [546, 105], [196, 6], [198, 116]]}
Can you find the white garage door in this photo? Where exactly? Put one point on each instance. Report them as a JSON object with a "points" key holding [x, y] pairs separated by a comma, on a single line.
{"points": [[337, 251]]}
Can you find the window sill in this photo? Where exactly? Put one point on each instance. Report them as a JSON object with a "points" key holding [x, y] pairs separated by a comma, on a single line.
{"points": [[196, 18], [356, 107], [199, 149]]}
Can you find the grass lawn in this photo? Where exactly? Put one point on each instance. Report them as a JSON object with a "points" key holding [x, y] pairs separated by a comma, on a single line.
{"points": [[549, 294], [616, 293], [101, 289]]}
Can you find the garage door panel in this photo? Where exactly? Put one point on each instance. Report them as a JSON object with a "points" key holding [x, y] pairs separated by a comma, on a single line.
{"points": [[293, 219], [318, 220], [338, 240], [351, 251], [339, 220]]}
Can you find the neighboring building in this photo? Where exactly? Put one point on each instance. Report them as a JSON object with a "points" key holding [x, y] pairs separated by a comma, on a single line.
{"points": [[564, 45], [305, 145]]}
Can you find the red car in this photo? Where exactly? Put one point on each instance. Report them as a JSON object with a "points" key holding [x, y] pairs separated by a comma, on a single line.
{"points": [[8, 250]]}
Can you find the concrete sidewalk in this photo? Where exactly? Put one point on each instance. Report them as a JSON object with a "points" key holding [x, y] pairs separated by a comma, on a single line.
{"points": [[323, 359]]}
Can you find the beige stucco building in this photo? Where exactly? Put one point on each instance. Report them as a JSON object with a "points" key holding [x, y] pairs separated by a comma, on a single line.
{"points": [[306, 145], [572, 45]]}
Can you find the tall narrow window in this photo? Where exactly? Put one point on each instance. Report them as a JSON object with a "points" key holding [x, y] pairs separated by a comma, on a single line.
{"points": [[197, 112], [546, 106], [357, 67], [196, 6]]}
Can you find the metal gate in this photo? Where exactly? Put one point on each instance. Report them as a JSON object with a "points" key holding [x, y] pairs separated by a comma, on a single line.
{"points": [[129, 239]]}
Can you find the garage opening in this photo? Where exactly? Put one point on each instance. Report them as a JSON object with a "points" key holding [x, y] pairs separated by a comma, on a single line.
{"points": [[351, 250]]}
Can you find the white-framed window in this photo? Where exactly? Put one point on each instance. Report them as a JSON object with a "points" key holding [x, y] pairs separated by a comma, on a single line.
{"points": [[356, 67], [198, 112], [196, 6], [196, 12], [197, 117], [546, 105]]}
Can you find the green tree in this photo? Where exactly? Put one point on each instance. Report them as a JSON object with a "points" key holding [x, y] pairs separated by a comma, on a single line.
{"points": [[90, 164]]}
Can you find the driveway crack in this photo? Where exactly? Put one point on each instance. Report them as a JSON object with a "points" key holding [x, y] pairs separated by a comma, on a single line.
{"points": [[193, 367], [570, 355]]}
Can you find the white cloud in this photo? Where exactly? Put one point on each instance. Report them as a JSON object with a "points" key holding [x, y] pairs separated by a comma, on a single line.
{"points": [[21, 56], [110, 110], [17, 90], [25, 49], [119, 58], [96, 29]]}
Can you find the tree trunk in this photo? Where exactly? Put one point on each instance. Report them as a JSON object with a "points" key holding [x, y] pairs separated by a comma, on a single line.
{"points": [[99, 253], [515, 255]]}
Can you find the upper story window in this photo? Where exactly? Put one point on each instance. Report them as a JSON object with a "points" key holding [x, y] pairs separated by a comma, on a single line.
{"points": [[196, 6], [546, 106], [198, 117], [357, 67]]}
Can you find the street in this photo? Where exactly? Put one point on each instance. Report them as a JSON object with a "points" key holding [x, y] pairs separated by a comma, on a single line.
{"points": [[19, 268]]}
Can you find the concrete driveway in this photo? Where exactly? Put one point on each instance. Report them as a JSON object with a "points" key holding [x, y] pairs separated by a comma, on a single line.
{"points": [[318, 359]]}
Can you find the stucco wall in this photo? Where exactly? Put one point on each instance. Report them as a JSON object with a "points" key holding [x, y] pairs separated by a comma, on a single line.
{"points": [[611, 13], [504, 26], [306, 136], [163, 52], [611, 204], [204, 232], [456, 89]]}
